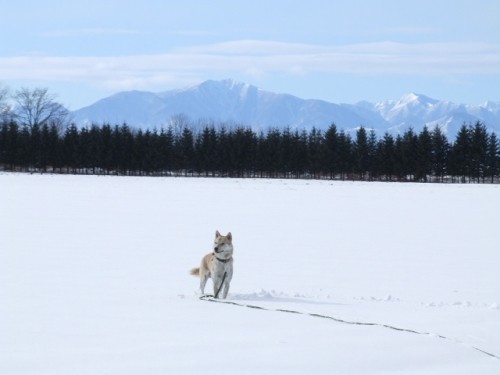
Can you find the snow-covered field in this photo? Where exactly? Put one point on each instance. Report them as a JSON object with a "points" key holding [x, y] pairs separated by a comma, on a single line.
{"points": [[94, 277]]}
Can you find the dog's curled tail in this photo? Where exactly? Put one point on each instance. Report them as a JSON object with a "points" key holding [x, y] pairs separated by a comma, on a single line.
{"points": [[195, 272]]}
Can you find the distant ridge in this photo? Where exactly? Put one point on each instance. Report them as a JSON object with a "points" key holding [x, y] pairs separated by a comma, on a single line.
{"points": [[234, 102]]}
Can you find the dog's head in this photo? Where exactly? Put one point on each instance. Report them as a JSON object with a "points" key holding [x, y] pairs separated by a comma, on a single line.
{"points": [[223, 245]]}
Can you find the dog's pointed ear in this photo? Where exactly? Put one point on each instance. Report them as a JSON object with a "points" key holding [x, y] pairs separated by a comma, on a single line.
{"points": [[217, 234], [229, 236]]}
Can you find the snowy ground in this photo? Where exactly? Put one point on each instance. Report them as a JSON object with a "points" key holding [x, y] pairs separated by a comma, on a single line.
{"points": [[94, 277]]}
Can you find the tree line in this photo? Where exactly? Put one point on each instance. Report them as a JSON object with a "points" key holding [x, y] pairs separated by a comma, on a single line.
{"points": [[474, 155]]}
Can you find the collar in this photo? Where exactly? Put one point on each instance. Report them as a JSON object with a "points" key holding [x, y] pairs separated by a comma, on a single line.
{"points": [[221, 260]]}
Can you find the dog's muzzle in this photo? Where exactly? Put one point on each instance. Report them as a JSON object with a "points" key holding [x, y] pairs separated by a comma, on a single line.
{"points": [[216, 249]]}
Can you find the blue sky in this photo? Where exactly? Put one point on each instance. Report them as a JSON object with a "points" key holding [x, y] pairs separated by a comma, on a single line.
{"points": [[340, 51]]}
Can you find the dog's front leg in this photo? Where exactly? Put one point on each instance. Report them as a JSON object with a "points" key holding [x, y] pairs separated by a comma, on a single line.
{"points": [[217, 279], [226, 289]]}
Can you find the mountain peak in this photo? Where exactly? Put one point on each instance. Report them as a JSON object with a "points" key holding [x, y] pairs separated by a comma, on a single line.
{"points": [[417, 99], [229, 84]]}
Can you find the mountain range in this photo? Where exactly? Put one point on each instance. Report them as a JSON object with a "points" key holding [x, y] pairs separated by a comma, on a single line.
{"points": [[236, 103]]}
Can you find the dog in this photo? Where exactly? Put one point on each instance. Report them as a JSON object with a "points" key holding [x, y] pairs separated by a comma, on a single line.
{"points": [[216, 264]]}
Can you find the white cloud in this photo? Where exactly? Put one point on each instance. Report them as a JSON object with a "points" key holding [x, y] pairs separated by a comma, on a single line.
{"points": [[257, 58]]}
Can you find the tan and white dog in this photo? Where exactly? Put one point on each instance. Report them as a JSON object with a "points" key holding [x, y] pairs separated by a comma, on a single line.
{"points": [[216, 264]]}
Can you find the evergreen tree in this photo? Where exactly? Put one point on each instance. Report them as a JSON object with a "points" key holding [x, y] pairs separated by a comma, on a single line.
{"points": [[479, 148], [250, 151], [49, 147], [400, 169], [493, 157], [461, 153], [408, 154], [35, 146], [94, 153], [4, 128], [242, 151], [387, 152], [185, 151], [223, 151], [440, 151], [166, 149], [11, 145], [271, 150], [423, 155], [315, 152], [72, 153], [140, 146], [153, 155], [373, 156], [332, 151], [286, 152], [124, 148], [361, 153], [107, 159], [261, 149], [298, 156], [345, 154], [85, 156]]}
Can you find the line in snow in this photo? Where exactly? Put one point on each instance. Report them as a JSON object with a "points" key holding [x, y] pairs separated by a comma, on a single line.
{"points": [[210, 298]]}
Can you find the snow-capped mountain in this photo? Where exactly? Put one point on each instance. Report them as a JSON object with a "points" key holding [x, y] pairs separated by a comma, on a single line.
{"points": [[414, 110], [233, 102]]}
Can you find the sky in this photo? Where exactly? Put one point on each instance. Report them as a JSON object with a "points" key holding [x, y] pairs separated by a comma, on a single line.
{"points": [[339, 51]]}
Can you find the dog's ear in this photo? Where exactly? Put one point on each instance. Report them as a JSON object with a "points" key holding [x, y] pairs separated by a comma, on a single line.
{"points": [[229, 236], [217, 234]]}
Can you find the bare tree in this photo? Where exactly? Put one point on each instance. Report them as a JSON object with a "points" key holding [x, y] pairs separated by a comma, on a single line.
{"points": [[5, 108], [38, 107], [179, 122]]}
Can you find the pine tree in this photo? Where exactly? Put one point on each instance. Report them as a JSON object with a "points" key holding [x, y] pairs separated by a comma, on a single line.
{"points": [[35, 146], [387, 151], [332, 151], [94, 153], [315, 152], [270, 152], [440, 151], [223, 151], [84, 150], [107, 149], [298, 156], [11, 157], [409, 154], [493, 157], [261, 150], [251, 151], [373, 156], [23, 152], [461, 154], [479, 148], [345, 154], [242, 151], [72, 153], [423, 155], [185, 151], [166, 149], [123, 145], [49, 147], [4, 128], [361, 153]]}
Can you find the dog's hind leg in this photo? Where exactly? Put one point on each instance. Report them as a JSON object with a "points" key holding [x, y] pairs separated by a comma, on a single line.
{"points": [[203, 281]]}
